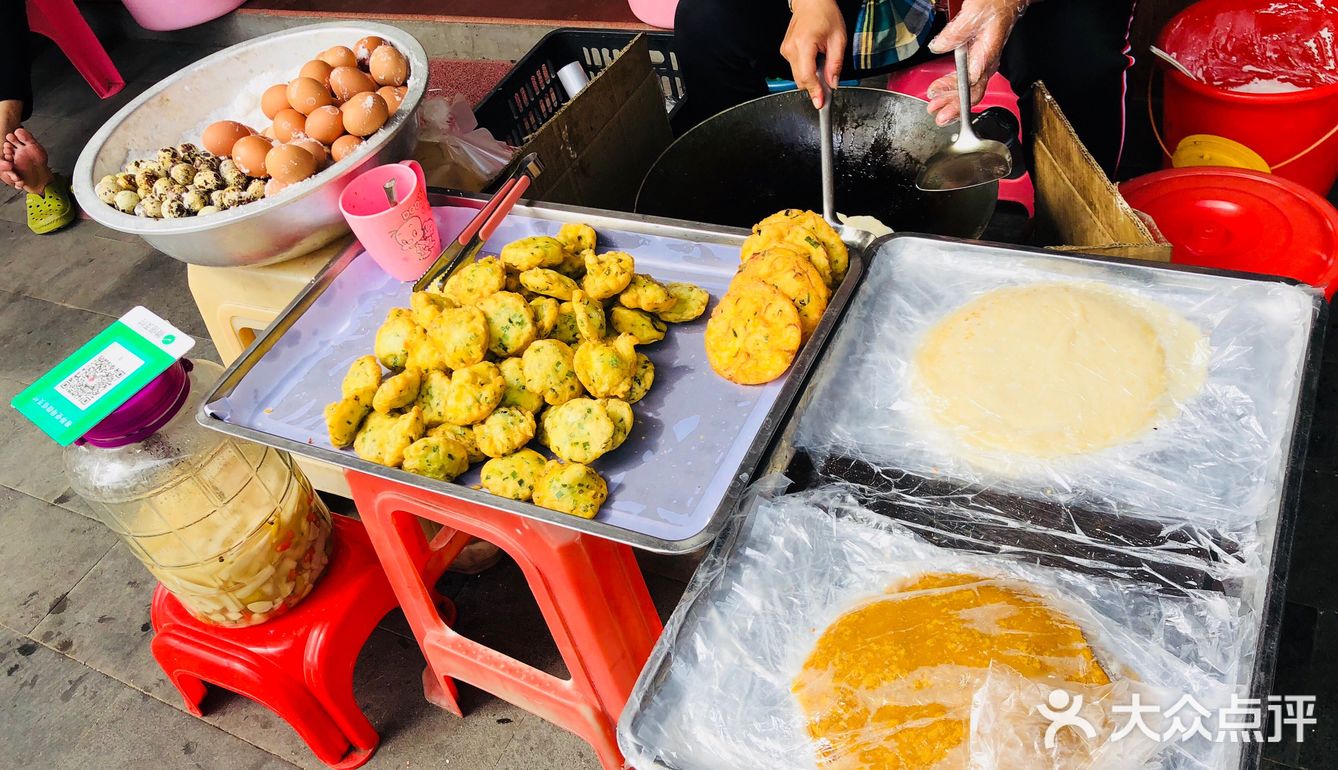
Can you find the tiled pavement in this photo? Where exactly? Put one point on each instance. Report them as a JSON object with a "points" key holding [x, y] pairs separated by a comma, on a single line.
{"points": [[80, 688]]}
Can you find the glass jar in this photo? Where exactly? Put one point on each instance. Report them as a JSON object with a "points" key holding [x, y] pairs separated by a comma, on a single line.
{"points": [[233, 529]]}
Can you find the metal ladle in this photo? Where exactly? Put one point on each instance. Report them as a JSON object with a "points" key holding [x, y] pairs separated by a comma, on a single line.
{"points": [[969, 161]]}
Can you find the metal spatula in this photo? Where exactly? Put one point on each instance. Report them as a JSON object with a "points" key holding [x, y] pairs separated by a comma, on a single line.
{"points": [[969, 161]]}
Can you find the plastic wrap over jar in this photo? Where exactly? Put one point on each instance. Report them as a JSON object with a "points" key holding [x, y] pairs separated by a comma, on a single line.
{"points": [[718, 692], [233, 529]]}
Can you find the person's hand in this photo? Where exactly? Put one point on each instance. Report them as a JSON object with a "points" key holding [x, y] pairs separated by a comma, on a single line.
{"points": [[985, 24], [815, 27]]}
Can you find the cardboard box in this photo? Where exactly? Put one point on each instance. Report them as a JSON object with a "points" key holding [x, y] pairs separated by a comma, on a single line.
{"points": [[1076, 205], [599, 146]]}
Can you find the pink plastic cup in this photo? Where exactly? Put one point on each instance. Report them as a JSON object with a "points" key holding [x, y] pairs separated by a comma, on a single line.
{"points": [[403, 238]]}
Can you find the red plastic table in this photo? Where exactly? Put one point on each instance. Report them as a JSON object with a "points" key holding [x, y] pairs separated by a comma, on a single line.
{"points": [[590, 590]]}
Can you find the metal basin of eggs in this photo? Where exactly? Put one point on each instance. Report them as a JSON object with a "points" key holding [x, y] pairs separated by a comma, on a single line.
{"points": [[283, 123]]}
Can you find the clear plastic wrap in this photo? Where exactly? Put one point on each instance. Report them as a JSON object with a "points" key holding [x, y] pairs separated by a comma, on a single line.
{"points": [[1158, 547], [717, 693], [1217, 462]]}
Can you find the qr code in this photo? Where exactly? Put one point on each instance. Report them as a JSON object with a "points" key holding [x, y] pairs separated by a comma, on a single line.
{"points": [[103, 372]]}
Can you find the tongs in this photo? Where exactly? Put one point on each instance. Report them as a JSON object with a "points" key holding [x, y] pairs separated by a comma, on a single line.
{"points": [[484, 223]]}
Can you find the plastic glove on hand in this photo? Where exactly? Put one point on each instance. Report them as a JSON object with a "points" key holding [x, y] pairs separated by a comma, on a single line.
{"points": [[986, 25]]}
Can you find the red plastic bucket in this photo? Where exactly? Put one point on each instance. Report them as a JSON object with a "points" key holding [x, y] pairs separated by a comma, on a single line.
{"points": [[1256, 43], [1234, 219]]}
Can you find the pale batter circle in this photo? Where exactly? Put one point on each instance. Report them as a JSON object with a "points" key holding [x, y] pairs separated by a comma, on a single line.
{"points": [[1050, 370]]}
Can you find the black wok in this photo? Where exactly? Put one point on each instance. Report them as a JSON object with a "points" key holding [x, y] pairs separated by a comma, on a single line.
{"points": [[762, 156]]}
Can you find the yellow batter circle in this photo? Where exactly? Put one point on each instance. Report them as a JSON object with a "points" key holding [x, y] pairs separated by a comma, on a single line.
{"points": [[889, 685], [1052, 370]]}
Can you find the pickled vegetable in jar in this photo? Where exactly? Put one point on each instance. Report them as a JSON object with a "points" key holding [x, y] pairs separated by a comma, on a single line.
{"points": [[233, 529]]}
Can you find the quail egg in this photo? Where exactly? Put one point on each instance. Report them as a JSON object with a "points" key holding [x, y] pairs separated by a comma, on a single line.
{"points": [[125, 181], [254, 190], [232, 176], [127, 200], [106, 190], [175, 209], [208, 181], [151, 207], [168, 157], [183, 173], [211, 209], [195, 200]]}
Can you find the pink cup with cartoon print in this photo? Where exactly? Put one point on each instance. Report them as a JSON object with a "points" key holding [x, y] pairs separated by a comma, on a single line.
{"points": [[403, 237]]}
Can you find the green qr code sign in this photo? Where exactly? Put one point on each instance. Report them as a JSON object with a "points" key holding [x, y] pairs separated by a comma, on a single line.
{"points": [[103, 374]]}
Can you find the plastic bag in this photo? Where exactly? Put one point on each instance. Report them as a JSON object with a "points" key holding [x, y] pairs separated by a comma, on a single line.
{"points": [[718, 692], [453, 150], [1217, 462]]}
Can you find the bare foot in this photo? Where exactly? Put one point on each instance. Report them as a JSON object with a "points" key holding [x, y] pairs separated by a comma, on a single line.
{"points": [[28, 158], [7, 175]]}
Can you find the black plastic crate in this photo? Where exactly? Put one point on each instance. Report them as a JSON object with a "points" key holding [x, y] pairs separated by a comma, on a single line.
{"points": [[530, 93]]}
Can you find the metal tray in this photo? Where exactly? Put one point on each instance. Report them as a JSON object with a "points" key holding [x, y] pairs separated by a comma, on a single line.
{"points": [[787, 468], [697, 438]]}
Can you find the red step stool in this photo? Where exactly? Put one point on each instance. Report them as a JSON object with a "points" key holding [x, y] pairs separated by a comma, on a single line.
{"points": [[590, 591], [299, 664]]}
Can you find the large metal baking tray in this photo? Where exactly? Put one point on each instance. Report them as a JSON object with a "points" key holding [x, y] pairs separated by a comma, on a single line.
{"points": [[787, 468], [697, 438]]}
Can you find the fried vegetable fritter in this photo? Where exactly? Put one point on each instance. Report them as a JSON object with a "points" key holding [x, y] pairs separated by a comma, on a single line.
{"points": [[436, 457], [572, 488], [474, 392], [384, 437], [506, 430], [646, 328], [689, 303], [515, 475], [606, 368], [550, 371]]}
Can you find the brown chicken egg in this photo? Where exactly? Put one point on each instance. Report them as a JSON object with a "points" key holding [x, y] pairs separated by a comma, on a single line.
{"points": [[325, 124], [306, 94], [316, 149], [273, 187], [347, 81], [249, 154], [365, 113], [388, 66], [289, 163], [364, 47], [220, 136], [343, 146], [392, 96], [289, 123], [316, 70], [339, 56], [274, 100], [268, 133]]}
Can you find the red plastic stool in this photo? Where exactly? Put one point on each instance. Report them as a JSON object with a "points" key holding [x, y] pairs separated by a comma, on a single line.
{"points": [[914, 81], [61, 21], [590, 591], [300, 664]]}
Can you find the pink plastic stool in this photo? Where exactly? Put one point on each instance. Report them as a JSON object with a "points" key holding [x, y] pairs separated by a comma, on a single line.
{"points": [[61, 21], [300, 664], [590, 591], [914, 81], [657, 13], [167, 15]]}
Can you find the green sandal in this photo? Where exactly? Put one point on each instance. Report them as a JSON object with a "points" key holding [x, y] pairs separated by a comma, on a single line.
{"points": [[53, 209]]}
